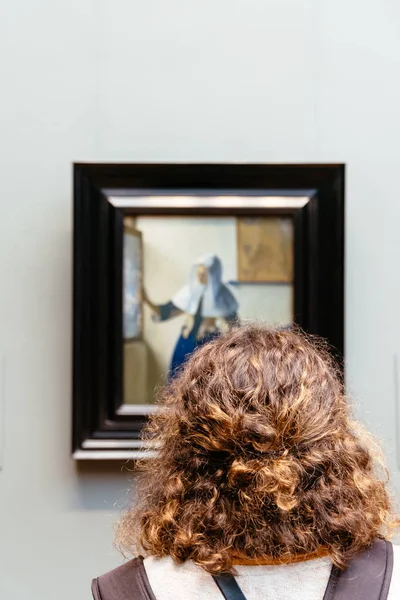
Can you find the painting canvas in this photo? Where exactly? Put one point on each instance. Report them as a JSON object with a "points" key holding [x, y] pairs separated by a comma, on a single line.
{"points": [[194, 289]]}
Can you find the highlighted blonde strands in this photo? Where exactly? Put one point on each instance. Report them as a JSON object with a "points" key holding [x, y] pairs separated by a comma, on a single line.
{"points": [[258, 458]]}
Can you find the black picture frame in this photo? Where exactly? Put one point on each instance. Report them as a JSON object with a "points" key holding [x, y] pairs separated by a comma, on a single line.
{"points": [[103, 195]]}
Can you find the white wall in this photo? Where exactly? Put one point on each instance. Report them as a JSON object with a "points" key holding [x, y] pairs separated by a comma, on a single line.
{"points": [[217, 80]]}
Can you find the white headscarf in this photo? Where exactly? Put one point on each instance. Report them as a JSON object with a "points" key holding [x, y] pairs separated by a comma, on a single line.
{"points": [[217, 299]]}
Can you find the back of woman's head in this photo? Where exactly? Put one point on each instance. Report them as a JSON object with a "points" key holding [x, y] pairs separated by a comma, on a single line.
{"points": [[256, 456]]}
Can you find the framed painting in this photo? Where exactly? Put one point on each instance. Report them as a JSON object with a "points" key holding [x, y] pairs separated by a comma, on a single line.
{"points": [[167, 256]]}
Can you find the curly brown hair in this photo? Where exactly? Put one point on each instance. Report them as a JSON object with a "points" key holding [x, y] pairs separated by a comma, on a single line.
{"points": [[257, 456]]}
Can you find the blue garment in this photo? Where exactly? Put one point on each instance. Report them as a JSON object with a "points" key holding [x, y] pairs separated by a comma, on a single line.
{"points": [[184, 348], [188, 343]]}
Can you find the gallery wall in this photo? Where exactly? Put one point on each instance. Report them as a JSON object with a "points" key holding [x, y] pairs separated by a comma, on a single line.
{"points": [[218, 80]]}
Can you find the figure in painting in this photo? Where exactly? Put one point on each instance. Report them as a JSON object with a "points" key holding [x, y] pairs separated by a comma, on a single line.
{"points": [[209, 306]]}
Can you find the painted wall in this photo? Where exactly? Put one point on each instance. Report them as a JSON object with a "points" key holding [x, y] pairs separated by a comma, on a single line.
{"points": [[253, 80]]}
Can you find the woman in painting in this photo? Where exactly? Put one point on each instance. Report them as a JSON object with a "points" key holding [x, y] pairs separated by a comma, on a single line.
{"points": [[209, 306]]}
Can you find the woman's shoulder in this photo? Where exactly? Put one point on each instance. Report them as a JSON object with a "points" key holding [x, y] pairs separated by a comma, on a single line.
{"points": [[166, 568], [153, 578], [159, 577], [128, 576], [171, 581]]}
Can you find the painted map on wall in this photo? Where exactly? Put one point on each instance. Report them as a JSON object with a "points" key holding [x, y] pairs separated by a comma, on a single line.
{"points": [[265, 249]]}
